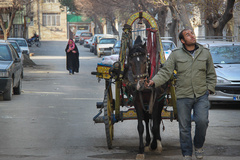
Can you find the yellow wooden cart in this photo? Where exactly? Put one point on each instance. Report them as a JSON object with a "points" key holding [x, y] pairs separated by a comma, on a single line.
{"points": [[112, 74]]}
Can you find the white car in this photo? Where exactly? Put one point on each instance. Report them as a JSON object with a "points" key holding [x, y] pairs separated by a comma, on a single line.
{"points": [[226, 58], [168, 46], [105, 46], [87, 42], [95, 41], [22, 44]]}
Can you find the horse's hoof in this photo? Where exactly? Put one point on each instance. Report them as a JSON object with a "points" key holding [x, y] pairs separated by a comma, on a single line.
{"points": [[140, 156], [159, 147], [147, 149]]}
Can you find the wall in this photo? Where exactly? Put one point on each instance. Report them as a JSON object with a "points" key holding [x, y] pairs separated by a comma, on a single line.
{"points": [[48, 32]]}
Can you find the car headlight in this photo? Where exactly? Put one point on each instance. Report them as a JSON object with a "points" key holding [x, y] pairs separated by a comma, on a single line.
{"points": [[4, 74], [221, 80]]}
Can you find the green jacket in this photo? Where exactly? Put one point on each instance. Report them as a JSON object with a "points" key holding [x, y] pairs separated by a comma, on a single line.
{"points": [[195, 75]]}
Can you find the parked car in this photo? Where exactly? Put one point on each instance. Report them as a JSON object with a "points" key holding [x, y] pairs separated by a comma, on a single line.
{"points": [[84, 36], [17, 47], [11, 71], [116, 47], [226, 58], [22, 44], [95, 41], [77, 35], [87, 42], [168, 46], [105, 46]]}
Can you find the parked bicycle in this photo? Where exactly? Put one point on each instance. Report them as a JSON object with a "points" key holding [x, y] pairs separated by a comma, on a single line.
{"points": [[34, 40]]}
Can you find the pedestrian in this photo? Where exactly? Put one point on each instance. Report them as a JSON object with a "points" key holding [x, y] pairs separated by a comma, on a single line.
{"points": [[72, 55], [196, 79]]}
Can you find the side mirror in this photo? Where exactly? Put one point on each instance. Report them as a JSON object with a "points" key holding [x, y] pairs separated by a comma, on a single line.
{"points": [[17, 60]]}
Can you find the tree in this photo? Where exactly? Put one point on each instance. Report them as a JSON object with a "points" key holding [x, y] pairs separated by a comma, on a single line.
{"points": [[9, 7], [216, 14]]}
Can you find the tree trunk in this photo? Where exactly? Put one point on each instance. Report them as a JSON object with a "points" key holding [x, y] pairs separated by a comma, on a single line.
{"points": [[162, 14], [183, 15], [115, 32], [172, 29], [25, 28], [3, 27], [214, 24], [98, 23]]}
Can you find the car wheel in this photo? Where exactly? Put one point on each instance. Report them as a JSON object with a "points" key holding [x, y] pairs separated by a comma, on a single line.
{"points": [[8, 94], [17, 90]]}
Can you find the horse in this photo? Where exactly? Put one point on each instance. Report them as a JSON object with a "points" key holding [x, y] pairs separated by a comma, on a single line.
{"points": [[148, 101]]}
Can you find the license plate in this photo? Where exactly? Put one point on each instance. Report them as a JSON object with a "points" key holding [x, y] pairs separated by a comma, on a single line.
{"points": [[237, 97]]}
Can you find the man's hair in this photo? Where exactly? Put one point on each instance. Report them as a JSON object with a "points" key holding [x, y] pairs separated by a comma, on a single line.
{"points": [[181, 34]]}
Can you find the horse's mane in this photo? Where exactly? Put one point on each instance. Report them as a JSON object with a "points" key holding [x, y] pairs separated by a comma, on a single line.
{"points": [[138, 48]]}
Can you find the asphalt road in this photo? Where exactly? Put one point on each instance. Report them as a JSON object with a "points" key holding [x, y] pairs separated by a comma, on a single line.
{"points": [[52, 118]]}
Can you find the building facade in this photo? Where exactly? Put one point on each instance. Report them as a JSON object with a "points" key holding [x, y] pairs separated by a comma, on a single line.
{"points": [[49, 20]]}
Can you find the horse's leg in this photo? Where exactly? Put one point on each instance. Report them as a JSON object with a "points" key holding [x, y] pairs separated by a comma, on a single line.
{"points": [[140, 127], [157, 110], [148, 138]]}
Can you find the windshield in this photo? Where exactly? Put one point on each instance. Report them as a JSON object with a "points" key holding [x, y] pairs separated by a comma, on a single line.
{"points": [[225, 54], [118, 44], [107, 41], [86, 34], [168, 46], [15, 46], [21, 42], [4, 53]]}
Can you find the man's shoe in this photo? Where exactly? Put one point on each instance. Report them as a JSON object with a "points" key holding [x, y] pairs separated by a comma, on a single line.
{"points": [[187, 158], [199, 153]]}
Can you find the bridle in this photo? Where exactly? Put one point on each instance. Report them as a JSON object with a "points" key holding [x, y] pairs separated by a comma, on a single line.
{"points": [[143, 75]]}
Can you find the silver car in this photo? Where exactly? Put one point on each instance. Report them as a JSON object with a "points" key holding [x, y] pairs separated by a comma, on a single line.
{"points": [[226, 58], [22, 44]]}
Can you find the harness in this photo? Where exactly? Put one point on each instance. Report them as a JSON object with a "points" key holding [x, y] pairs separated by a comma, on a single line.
{"points": [[146, 74]]}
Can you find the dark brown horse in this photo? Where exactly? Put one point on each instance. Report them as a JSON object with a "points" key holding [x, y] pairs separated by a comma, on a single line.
{"points": [[148, 101]]}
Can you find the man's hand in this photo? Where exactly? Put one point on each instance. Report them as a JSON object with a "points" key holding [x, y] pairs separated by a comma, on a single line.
{"points": [[150, 83]]}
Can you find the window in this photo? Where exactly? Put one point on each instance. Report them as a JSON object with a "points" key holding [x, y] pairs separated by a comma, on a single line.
{"points": [[4, 53], [51, 19], [50, 1]]}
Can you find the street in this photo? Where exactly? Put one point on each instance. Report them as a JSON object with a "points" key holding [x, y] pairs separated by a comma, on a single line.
{"points": [[52, 118]]}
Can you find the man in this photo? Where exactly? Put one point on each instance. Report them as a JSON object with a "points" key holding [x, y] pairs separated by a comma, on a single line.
{"points": [[196, 78]]}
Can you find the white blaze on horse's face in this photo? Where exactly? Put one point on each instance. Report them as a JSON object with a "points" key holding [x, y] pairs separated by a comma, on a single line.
{"points": [[138, 59], [138, 86]]}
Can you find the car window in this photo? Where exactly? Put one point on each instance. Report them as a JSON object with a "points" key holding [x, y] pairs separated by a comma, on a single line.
{"points": [[15, 46], [107, 41], [225, 54], [4, 53], [117, 44], [168, 46], [14, 52], [86, 34], [21, 42]]}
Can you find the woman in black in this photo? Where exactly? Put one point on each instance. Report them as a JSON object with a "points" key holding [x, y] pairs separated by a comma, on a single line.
{"points": [[72, 57]]}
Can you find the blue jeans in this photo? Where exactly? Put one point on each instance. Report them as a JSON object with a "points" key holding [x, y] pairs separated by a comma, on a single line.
{"points": [[200, 107]]}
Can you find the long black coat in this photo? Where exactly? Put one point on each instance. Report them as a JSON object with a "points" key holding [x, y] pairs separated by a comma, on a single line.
{"points": [[72, 61]]}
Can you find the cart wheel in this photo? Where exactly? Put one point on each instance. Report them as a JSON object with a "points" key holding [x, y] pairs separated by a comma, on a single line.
{"points": [[108, 112]]}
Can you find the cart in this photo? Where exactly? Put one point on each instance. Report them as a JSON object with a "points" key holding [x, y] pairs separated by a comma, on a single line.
{"points": [[110, 109]]}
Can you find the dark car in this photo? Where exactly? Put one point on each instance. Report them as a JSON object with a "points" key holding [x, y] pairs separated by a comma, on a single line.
{"points": [[11, 71], [116, 47]]}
